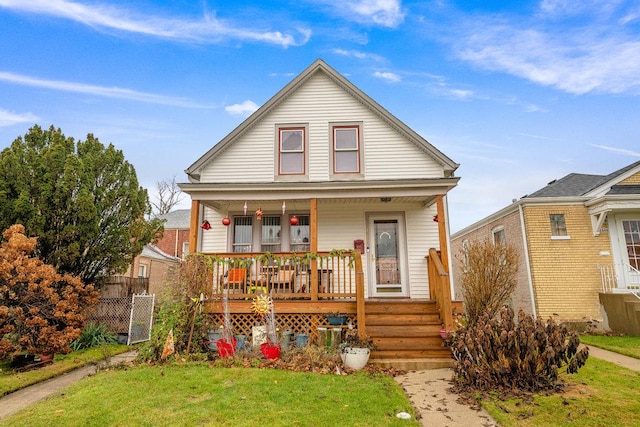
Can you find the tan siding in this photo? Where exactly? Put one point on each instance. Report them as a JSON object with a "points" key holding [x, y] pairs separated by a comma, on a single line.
{"points": [[565, 275], [632, 180], [521, 298], [320, 102]]}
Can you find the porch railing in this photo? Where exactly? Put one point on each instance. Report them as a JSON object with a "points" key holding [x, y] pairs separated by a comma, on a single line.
{"points": [[619, 277], [439, 288], [284, 275]]}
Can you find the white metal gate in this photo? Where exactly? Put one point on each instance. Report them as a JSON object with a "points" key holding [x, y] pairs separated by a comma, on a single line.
{"points": [[141, 318]]}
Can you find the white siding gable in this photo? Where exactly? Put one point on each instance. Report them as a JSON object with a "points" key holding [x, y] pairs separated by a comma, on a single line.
{"points": [[317, 103]]}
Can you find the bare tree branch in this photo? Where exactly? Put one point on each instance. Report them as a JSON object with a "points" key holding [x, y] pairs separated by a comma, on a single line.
{"points": [[169, 195]]}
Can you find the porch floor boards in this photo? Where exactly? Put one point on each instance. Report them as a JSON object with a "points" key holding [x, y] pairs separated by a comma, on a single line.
{"points": [[406, 334]]}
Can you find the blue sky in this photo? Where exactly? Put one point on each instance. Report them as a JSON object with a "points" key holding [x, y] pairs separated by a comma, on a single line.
{"points": [[518, 94]]}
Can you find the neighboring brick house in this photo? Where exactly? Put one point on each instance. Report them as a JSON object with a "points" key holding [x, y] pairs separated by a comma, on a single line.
{"points": [[155, 267], [579, 245], [175, 240]]}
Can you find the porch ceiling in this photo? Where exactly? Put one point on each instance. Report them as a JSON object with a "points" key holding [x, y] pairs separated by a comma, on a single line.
{"points": [[298, 205]]}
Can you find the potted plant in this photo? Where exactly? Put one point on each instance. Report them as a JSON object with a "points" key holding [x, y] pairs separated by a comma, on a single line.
{"points": [[355, 350], [262, 307], [336, 319]]}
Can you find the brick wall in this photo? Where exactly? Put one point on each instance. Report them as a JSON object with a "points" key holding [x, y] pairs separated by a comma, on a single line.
{"points": [[564, 272], [510, 222], [632, 180], [168, 242]]}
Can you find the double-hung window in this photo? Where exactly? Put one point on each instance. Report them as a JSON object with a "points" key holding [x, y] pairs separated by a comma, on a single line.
{"points": [[558, 227], [346, 149], [291, 151]]}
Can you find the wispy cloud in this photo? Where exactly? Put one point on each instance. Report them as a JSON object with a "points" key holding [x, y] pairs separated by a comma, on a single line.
{"points": [[245, 108], [601, 56], [388, 76], [107, 92], [209, 29], [8, 118], [359, 55], [618, 150], [386, 13]]}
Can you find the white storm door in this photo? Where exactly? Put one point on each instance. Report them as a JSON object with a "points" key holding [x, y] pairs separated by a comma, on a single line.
{"points": [[631, 253], [387, 256]]}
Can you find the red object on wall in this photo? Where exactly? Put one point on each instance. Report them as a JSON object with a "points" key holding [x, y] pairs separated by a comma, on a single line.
{"points": [[359, 245], [293, 220], [205, 225], [435, 218], [226, 221]]}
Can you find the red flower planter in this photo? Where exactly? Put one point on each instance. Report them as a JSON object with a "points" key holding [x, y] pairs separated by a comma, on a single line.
{"points": [[270, 351], [225, 348]]}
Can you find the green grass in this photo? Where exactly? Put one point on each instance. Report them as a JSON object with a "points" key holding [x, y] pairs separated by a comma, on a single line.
{"points": [[193, 394], [627, 345], [11, 381], [600, 394]]}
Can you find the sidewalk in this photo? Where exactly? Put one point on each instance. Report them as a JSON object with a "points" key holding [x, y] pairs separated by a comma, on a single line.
{"points": [[14, 402], [428, 391]]}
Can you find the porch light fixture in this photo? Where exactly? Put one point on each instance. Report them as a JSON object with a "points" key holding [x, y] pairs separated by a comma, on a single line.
{"points": [[226, 221], [205, 225], [293, 220]]}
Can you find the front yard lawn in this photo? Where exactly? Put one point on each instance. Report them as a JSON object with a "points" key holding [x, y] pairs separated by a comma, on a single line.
{"points": [[193, 394], [627, 345], [11, 380]]}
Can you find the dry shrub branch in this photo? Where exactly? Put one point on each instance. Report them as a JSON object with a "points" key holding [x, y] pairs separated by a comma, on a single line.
{"points": [[41, 311]]}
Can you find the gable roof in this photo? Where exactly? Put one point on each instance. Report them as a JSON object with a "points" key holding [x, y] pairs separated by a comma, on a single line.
{"points": [[152, 251], [180, 218], [577, 184], [319, 66]]}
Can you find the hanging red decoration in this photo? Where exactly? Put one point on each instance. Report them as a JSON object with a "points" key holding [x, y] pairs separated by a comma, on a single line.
{"points": [[205, 225], [435, 218], [226, 221], [293, 220]]}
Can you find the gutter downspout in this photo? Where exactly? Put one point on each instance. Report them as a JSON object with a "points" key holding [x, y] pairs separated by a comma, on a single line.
{"points": [[526, 254]]}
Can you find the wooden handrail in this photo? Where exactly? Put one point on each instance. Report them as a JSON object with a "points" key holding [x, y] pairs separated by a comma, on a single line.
{"points": [[440, 288]]}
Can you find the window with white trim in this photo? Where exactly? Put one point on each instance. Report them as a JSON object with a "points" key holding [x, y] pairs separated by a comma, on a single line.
{"points": [[291, 151], [142, 270], [558, 226], [242, 233], [271, 234], [299, 235], [346, 149]]}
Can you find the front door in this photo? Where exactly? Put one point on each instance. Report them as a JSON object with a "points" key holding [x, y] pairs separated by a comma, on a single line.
{"points": [[386, 250], [631, 251]]}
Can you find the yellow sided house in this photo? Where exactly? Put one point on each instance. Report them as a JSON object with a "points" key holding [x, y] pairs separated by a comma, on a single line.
{"points": [[330, 204], [579, 244]]}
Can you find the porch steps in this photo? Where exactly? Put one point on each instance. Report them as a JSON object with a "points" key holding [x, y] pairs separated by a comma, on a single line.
{"points": [[406, 334]]}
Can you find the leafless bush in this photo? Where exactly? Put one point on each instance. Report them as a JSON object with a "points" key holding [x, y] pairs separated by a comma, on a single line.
{"points": [[488, 278]]}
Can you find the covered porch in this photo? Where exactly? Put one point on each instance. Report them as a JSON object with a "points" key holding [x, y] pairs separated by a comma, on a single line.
{"points": [[308, 284]]}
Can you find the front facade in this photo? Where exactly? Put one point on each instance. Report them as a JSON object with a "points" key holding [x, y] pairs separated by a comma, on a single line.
{"points": [[323, 169], [579, 244]]}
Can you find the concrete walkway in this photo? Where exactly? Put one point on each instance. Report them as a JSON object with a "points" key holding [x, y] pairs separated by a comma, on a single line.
{"points": [[438, 407], [16, 401], [427, 390]]}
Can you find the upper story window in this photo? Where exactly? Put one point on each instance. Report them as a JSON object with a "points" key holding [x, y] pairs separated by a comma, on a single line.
{"points": [[291, 151], [346, 149], [558, 226]]}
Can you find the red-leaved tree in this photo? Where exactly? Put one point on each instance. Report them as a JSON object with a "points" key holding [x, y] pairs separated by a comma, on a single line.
{"points": [[41, 311]]}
